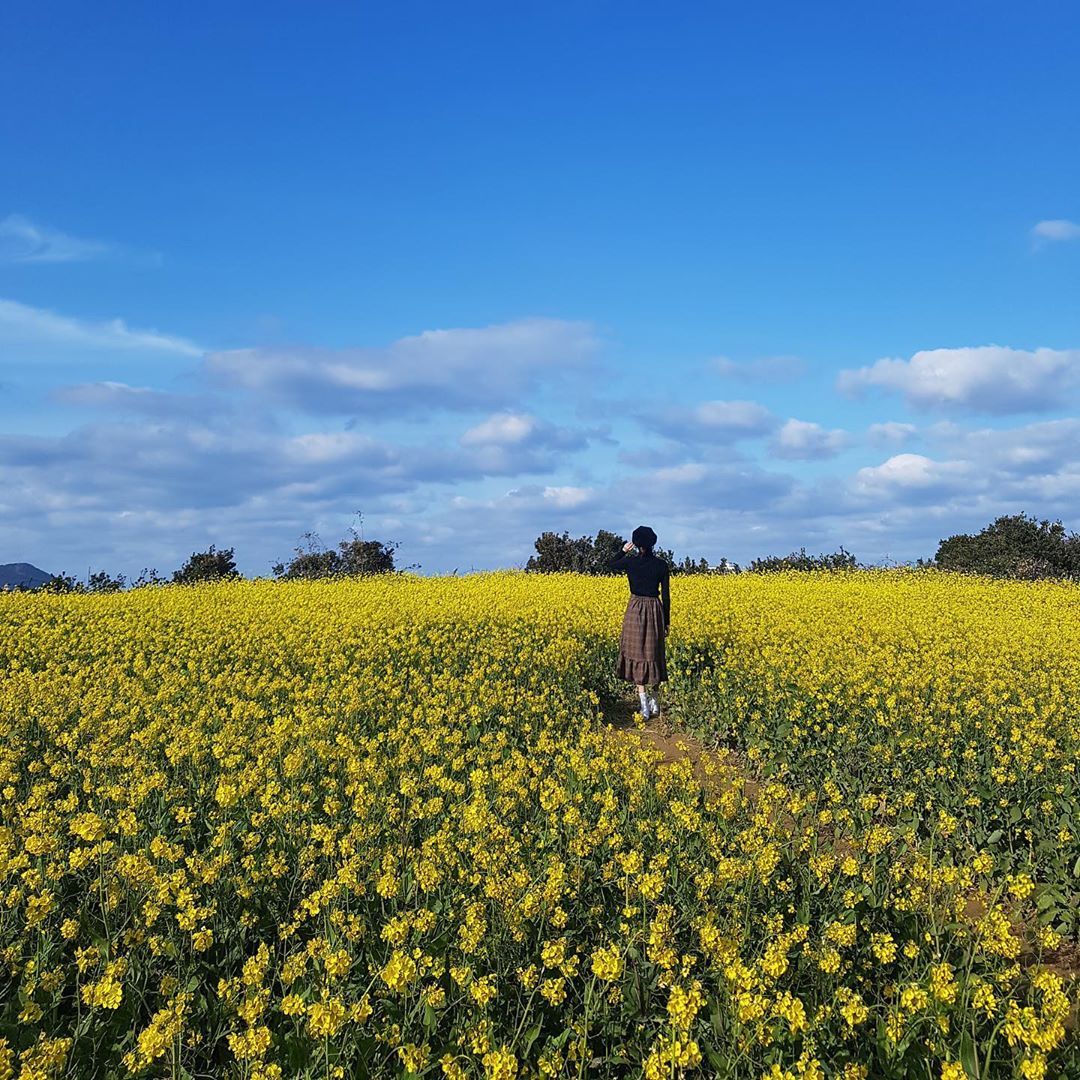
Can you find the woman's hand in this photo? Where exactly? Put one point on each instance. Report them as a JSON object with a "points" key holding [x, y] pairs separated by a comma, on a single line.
{"points": [[628, 546]]}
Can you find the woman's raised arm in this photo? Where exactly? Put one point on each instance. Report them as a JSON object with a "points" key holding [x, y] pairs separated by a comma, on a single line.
{"points": [[620, 562]]}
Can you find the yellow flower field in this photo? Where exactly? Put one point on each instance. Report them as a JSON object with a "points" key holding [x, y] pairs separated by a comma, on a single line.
{"points": [[380, 828]]}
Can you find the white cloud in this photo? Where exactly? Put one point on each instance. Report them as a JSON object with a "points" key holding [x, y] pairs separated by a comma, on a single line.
{"points": [[509, 443], [184, 468], [901, 470], [1001, 469], [695, 487], [500, 429], [124, 495], [567, 497], [1056, 229], [711, 421], [689, 472], [904, 505], [989, 378], [22, 241], [802, 439], [912, 480], [1014, 454], [336, 448], [189, 469], [891, 432], [453, 369], [23, 325]]}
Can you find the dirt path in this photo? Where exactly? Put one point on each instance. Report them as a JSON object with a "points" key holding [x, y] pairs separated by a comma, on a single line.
{"points": [[713, 768]]}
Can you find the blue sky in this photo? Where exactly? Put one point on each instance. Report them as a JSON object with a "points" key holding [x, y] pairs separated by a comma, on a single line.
{"points": [[758, 275]]}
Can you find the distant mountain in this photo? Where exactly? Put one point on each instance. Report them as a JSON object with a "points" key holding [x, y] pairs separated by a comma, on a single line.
{"points": [[14, 574]]}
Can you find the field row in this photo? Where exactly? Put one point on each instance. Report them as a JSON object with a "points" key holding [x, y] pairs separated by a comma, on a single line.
{"points": [[379, 828]]}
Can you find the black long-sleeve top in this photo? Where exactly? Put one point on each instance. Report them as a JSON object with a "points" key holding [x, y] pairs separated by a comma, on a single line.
{"points": [[649, 575]]}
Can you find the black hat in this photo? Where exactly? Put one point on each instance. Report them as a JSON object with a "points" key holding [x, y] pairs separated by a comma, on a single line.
{"points": [[643, 536]]}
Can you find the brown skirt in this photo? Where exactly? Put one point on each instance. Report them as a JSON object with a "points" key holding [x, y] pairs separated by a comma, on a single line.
{"points": [[642, 659]]}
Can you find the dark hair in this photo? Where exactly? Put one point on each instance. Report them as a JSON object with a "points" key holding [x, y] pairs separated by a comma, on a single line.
{"points": [[644, 538]]}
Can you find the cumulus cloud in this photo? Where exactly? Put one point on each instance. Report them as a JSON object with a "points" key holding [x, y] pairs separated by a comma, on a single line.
{"points": [[507, 443], [694, 486], [711, 421], [468, 532], [454, 369], [1014, 454], [501, 429], [340, 449], [566, 496], [499, 530], [119, 467], [530, 499], [1055, 229], [763, 369], [989, 379], [891, 432], [185, 469], [1033, 466], [192, 470], [23, 325], [22, 241], [179, 463], [802, 439], [517, 429], [908, 502], [912, 474], [137, 488]]}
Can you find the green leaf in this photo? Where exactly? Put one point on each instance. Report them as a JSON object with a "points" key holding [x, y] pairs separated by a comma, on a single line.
{"points": [[994, 837], [530, 1037], [719, 1063], [560, 1040], [968, 1057]]}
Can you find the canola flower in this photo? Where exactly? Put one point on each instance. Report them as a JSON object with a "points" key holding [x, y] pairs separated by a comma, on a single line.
{"points": [[244, 834]]}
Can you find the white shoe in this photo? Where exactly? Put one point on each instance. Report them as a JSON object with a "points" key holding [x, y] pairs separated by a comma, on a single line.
{"points": [[654, 709]]}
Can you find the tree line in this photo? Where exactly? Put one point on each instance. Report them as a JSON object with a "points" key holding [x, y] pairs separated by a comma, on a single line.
{"points": [[561, 553], [353, 557], [1012, 546]]}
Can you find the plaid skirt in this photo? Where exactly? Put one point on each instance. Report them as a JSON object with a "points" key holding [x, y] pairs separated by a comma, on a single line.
{"points": [[641, 645]]}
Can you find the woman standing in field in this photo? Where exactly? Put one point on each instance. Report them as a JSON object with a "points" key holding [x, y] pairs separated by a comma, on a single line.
{"points": [[642, 659]]}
